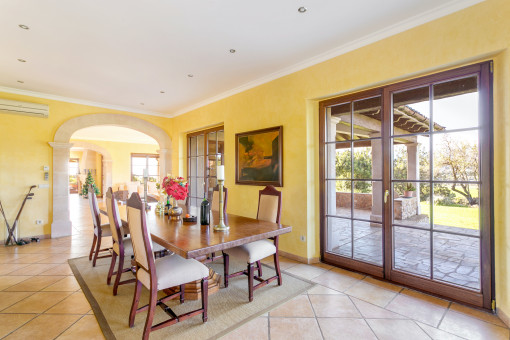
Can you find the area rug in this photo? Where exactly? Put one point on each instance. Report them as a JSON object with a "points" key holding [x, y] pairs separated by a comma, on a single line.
{"points": [[228, 308]]}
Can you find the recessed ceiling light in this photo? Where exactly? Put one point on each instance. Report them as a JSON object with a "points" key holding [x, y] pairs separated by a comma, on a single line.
{"points": [[161, 91], [302, 9], [190, 75], [22, 60], [25, 27], [232, 50], [21, 81]]}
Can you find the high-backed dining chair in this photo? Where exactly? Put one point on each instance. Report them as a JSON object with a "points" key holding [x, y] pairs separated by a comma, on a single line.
{"points": [[159, 274], [269, 209], [100, 230], [122, 246]]}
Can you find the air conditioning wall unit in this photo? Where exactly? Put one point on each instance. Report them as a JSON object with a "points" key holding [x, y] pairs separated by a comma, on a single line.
{"points": [[24, 108]]}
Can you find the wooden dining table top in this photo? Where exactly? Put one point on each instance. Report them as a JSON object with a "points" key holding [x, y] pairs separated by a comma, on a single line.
{"points": [[191, 240]]}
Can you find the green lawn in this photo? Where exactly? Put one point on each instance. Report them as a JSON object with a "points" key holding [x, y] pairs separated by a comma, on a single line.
{"points": [[462, 217]]}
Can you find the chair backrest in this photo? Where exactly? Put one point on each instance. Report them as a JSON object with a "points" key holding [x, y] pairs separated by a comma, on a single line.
{"points": [[215, 204], [270, 204], [94, 209], [115, 222], [142, 245]]}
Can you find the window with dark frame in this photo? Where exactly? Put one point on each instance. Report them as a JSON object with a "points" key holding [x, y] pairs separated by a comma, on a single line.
{"points": [[142, 161]]}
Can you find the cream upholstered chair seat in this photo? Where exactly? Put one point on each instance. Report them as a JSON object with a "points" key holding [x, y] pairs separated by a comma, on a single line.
{"points": [[173, 270], [252, 252]]}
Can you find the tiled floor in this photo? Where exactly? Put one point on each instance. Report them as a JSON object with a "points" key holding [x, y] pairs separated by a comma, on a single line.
{"points": [[40, 299]]}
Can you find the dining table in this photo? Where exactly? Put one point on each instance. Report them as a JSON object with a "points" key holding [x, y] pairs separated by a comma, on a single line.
{"points": [[192, 240]]}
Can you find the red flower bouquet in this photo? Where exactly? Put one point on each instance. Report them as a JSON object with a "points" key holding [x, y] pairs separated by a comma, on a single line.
{"points": [[175, 187]]}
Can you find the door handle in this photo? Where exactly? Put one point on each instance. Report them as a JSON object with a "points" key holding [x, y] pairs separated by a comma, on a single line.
{"points": [[386, 194]]}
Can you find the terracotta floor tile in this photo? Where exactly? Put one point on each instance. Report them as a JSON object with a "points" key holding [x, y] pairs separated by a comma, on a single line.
{"points": [[11, 267], [37, 303], [383, 284], [44, 327], [257, 329], [34, 284], [471, 328], [66, 284], [285, 263], [59, 269], [294, 328], [320, 290], [438, 334], [386, 329], [335, 328], [74, 304], [339, 306], [9, 322], [33, 269], [60, 258], [420, 307], [298, 307], [371, 311], [322, 265], [7, 281], [306, 271], [10, 298], [370, 293], [338, 279], [485, 316], [85, 328]]}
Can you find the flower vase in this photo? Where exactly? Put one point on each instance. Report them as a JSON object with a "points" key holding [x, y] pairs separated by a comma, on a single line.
{"points": [[175, 212]]}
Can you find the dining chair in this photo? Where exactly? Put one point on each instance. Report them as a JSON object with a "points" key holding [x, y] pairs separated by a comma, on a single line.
{"points": [[100, 230], [269, 209], [160, 274]]}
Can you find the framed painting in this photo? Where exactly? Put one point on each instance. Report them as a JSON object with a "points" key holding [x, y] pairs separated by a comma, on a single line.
{"points": [[259, 157]]}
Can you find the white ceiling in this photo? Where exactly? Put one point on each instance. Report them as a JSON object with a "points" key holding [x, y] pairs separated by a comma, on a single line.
{"points": [[113, 134], [121, 53]]}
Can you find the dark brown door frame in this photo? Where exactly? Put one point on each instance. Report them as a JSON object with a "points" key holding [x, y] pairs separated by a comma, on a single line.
{"points": [[486, 297]]}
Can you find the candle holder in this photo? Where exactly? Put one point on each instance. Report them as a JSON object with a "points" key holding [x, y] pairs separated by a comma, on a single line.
{"points": [[221, 225]]}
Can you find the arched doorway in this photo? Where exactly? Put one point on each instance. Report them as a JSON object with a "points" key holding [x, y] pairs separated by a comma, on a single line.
{"points": [[107, 159], [61, 225]]}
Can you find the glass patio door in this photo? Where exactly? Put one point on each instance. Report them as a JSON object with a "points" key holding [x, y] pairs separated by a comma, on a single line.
{"points": [[406, 177]]}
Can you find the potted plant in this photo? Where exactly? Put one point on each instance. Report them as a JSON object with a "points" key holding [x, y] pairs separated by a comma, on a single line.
{"points": [[409, 190]]}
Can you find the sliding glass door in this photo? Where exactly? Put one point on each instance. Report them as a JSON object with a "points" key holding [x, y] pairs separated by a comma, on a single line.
{"points": [[406, 183]]}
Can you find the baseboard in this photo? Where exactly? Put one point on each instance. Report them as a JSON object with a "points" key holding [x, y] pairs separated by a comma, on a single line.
{"points": [[503, 316], [299, 258], [41, 237]]}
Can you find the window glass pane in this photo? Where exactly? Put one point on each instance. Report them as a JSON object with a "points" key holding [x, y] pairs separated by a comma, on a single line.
{"points": [[211, 142], [367, 242], [200, 145], [338, 124], [153, 161], [411, 158], [339, 236], [411, 250], [138, 170], [409, 207], [138, 161], [456, 156], [455, 104], [368, 200], [411, 111], [367, 118], [221, 142], [193, 166], [193, 146], [200, 166], [200, 187], [367, 164], [339, 160], [339, 198]]}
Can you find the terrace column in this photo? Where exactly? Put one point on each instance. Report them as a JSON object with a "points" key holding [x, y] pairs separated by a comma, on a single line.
{"points": [[331, 166], [61, 224], [377, 187], [107, 173], [413, 170]]}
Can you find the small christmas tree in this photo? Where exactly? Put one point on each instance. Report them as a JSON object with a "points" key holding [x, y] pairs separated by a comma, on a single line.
{"points": [[89, 181]]}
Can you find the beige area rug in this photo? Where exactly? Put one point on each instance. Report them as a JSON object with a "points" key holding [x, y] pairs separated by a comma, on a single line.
{"points": [[228, 308]]}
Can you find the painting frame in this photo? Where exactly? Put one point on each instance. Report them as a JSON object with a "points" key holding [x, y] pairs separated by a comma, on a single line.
{"points": [[272, 172]]}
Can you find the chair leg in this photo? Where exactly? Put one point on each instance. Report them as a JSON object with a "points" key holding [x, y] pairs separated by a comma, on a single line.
{"points": [[136, 300], [181, 296], [277, 267], [94, 240], [119, 274], [225, 268], [250, 281], [112, 266], [150, 314], [259, 266], [98, 246], [205, 297]]}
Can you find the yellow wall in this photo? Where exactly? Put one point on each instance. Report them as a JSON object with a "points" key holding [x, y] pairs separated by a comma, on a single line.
{"points": [[24, 150], [121, 158], [475, 34]]}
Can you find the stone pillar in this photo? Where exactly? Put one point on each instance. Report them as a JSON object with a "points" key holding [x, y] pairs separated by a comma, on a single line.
{"points": [[61, 225], [413, 170], [377, 170], [331, 173], [107, 174]]}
